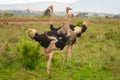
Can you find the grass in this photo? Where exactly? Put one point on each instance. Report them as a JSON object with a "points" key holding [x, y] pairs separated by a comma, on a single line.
{"points": [[96, 55]]}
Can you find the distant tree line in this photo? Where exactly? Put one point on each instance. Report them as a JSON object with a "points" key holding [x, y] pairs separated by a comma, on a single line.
{"points": [[82, 15], [97, 15], [28, 12]]}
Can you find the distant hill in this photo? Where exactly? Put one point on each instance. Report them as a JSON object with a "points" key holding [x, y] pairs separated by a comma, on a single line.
{"points": [[58, 6], [102, 6]]}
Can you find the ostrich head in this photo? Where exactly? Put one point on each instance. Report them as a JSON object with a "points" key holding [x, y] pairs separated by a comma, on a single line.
{"points": [[68, 16], [68, 9], [51, 8], [31, 33]]}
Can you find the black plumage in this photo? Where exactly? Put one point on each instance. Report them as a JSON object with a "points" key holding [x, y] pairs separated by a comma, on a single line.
{"points": [[72, 27], [44, 40], [56, 29], [53, 29], [84, 28]]}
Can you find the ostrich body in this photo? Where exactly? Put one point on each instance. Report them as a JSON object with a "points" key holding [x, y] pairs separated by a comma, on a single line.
{"points": [[64, 29], [71, 30], [67, 31], [76, 29], [50, 41], [70, 33]]}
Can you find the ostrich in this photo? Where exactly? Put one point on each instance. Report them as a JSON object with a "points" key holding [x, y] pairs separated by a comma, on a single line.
{"points": [[50, 41], [71, 28], [65, 30], [76, 29], [70, 33]]}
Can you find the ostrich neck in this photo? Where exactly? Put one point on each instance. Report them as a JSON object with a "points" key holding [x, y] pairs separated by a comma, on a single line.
{"points": [[67, 14], [67, 23], [67, 18], [52, 17]]}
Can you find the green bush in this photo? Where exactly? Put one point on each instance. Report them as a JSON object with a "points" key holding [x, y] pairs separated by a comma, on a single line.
{"points": [[29, 51], [78, 23]]}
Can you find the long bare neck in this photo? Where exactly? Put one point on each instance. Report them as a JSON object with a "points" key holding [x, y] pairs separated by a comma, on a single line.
{"points": [[68, 17], [51, 16], [67, 22], [67, 13]]}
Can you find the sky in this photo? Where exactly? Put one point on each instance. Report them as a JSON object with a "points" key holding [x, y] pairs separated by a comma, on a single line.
{"points": [[30, 1], [104, 6]]}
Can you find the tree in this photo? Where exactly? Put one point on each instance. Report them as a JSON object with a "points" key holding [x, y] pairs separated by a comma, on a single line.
{"points": [[47, 12], [82, 15], [6, 14], [116, 16]]}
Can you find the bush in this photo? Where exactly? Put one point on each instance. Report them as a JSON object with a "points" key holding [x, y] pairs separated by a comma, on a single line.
{"points": [[78, 23], [29, 53]]}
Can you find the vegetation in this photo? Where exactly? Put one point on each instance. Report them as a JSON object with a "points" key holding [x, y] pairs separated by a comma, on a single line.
{"points": [[47, 12], [96, 55], [29, 54]]}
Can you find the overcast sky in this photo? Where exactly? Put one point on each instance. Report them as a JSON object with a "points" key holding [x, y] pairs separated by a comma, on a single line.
{"points": [[105, 6], [29, 1]]}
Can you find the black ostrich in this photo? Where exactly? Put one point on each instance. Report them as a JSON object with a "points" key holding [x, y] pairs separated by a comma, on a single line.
{"points": [[50, 41]]}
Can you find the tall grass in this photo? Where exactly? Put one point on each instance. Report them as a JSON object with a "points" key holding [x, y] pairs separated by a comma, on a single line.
{"points": [[96, 55]]}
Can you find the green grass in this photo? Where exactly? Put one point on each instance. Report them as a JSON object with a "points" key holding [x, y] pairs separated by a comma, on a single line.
{"points": [[96, 55]]}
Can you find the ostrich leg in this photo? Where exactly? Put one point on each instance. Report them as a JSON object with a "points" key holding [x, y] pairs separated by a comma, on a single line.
{"points": [[48, 58], [69, 50]]}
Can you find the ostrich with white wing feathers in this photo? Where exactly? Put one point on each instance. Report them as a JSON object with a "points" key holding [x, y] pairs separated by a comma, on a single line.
{"points": [[50, 41], [69, 29]]}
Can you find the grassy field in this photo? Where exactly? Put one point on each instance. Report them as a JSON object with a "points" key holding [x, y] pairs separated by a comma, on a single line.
{"points": [[96, 55]]}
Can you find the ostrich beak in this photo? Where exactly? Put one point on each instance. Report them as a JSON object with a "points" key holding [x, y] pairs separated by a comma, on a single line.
{"points": [[68, 8], [50, 7]]}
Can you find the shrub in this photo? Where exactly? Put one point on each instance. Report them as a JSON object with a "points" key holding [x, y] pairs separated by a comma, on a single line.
{"points": [[78, 23], [29, 53]]}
